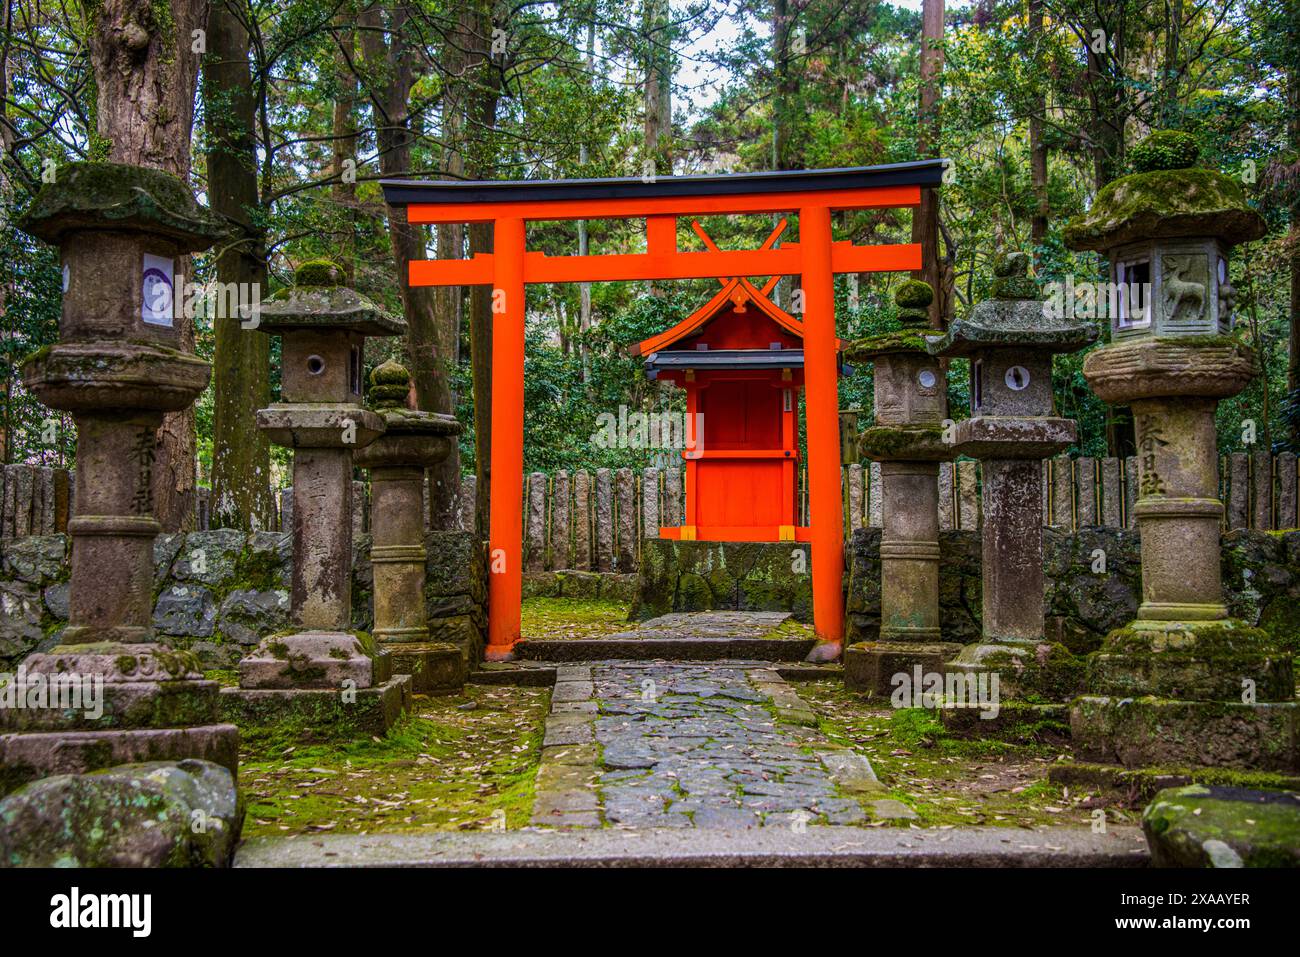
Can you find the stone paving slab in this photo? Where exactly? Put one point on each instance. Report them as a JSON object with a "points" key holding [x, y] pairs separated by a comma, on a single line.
{"points": [[708, 847], [681, 745]]}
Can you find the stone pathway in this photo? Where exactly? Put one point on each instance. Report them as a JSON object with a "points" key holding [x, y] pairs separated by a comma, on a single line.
{"points": [[677, 745]]}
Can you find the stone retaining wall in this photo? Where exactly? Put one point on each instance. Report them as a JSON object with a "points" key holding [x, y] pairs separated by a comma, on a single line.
{"points": [[1261, 580], [1261, 576], [218, 592]]}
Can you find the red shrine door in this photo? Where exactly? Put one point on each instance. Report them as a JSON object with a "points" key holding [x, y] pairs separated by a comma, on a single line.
{"points": [[739, 475]]}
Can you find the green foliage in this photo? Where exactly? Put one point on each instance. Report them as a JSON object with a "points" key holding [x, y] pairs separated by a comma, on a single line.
{"points": [[843, 92]]}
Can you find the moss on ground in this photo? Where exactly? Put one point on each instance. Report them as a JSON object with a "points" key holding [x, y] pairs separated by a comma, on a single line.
{"points": [[795, 630], [950, 781], [451, 765], [560, 618]]}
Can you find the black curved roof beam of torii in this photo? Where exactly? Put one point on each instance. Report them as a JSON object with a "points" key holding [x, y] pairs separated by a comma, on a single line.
{"points": [[660, 201], [404, 192]]}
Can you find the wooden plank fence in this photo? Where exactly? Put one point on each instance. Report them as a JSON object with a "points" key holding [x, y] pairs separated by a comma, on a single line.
{"points": [[595, 520]]}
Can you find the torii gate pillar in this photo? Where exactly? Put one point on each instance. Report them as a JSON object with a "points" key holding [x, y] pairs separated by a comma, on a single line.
{"points": [[505, 508], [821, 397]]}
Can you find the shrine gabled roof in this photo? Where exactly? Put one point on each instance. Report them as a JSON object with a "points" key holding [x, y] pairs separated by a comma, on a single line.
{"points": [[736, 292], [400, 192]]}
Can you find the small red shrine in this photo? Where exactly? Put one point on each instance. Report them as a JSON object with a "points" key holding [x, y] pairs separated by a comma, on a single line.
{"points": [[740, 359]]}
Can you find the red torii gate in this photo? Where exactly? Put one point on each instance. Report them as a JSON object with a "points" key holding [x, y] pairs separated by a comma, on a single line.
{"points": [[812, 194]]}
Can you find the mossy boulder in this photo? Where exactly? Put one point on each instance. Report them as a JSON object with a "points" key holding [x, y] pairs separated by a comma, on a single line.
{"points": [[1164, 149], [1216, 826], [123, 198], [1168, 203], [159, 814]]}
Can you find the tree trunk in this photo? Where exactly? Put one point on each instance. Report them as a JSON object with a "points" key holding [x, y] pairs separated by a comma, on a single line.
{"points": [[449, 301], [145, 75], [344, 146], [925, 221], [657, 160], [480, 163], [1037, 146], [1293, 247], [241, 460], [6, 204], [428, 344]]}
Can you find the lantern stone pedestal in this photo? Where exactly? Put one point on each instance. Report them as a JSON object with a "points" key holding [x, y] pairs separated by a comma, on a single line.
{"points": [[910, 399], [117, 368], [1183, 685], [1010, 340], [321, 678], [412, 442]]}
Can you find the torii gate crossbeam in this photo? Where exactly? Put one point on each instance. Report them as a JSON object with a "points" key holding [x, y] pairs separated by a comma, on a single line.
{"points": [[813, 195]]}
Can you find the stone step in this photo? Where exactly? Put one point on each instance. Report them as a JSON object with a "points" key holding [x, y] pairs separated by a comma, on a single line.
{"points": [[522, 674], [666, 649], [756, 847]]}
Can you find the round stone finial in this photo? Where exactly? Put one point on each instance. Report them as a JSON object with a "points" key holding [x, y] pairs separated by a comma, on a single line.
{"points": [[318, 272], [1011, 277], [913, 299], [389, 385], [1165, 149]]}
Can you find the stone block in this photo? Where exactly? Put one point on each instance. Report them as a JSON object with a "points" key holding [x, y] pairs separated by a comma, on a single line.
{"points": [[1153, 732], [318, 714]]}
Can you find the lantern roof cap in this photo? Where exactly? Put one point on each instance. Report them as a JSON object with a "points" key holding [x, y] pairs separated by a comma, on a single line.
{"points": [[122, 198], [318, 301], [1165, 204], [1015, 316]]}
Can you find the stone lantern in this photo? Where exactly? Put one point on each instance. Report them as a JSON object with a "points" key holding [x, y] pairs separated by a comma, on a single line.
{"points": [[321, 672], [911, 404], [117, 367], [1183, 684], [412, 442], [1010, 340]]}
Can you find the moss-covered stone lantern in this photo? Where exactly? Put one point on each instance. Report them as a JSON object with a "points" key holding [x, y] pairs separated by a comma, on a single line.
{"points": [[412, 442], [1010, 340], [1184, 683], [321, 672], [906, 438], [121, 231]]}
